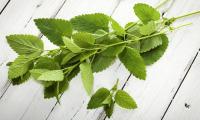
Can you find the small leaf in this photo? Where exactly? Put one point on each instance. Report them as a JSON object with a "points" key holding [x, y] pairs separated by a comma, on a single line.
{"points": [[109, 109], [133, 62], [83, 39], [90, 22], [101, 62], [148, 28], [54, 29], [21, 79], [108, 100], [87, 77], [35, 73], [98, 98], [150, 43], [20, 66], [53, 75], [117, 28], [25, 44], [71, 45], [67, 57], [123, 99], [155, 54], [146, 13], [129, 25], [51, 91]]}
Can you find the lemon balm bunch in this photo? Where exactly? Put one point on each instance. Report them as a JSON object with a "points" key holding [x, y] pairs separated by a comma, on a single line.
{"points": [[87, 44]]}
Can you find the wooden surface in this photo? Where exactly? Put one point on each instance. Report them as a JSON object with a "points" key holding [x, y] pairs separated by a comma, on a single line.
{"points": [[171, 91]]}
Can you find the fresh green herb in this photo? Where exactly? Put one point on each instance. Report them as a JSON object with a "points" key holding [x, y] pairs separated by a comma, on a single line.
{"points": [[91, 43]]}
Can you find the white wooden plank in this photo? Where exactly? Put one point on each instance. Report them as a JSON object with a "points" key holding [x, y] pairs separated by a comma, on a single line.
{"points": [[37, 107], [17, 18], [185, 105], [154, 94]]}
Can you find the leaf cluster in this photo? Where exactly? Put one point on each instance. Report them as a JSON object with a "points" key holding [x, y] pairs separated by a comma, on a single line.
{"points": [[87, 44]]}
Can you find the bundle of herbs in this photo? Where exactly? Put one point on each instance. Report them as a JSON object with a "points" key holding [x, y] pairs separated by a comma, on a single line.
{"points": [[91, 43]]}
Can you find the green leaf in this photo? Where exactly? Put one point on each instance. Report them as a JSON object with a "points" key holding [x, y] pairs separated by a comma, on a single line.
{"points": [[51, 91], [46, 63], [98, 98], [35, 73], [100, 35], [21, 79], [90, 22], [67, 57], [108, 100], [71, 45], [83, 39], [87, 77], [117, 27], [109, 109], [20, 66], [155, 54], [148, 28], [54, 29], [129, 25], [134, 30], [25, 44], [113, 50], [133, 62], [150, 43], [101, 62], [123, 99], [146, 13], [52, 75], [87, 54]]}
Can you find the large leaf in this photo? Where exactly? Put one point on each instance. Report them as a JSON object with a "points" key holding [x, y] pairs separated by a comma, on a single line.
{"points": [[98, 98], [69, 43], [150, 43], [101, 62], [90, 22], [20, 66], [54, 29], [25, 44], [133, 62], [123, 99], [155, 54], [87, 77], [83, 39], [146, 13]]}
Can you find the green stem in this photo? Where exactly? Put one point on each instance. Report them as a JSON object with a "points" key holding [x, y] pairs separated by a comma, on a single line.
{"points": [[186, 15], [182, 26], [162, 3]]}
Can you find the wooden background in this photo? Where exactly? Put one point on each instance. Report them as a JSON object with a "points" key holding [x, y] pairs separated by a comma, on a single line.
{"points": [[171, 91]]}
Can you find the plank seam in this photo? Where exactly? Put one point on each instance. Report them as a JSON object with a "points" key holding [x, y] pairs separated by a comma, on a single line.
{"points": [[190, 66], [4, 7]]}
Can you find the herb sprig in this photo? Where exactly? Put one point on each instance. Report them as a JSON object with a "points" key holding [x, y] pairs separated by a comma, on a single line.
{"points": [[91, 43]]}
